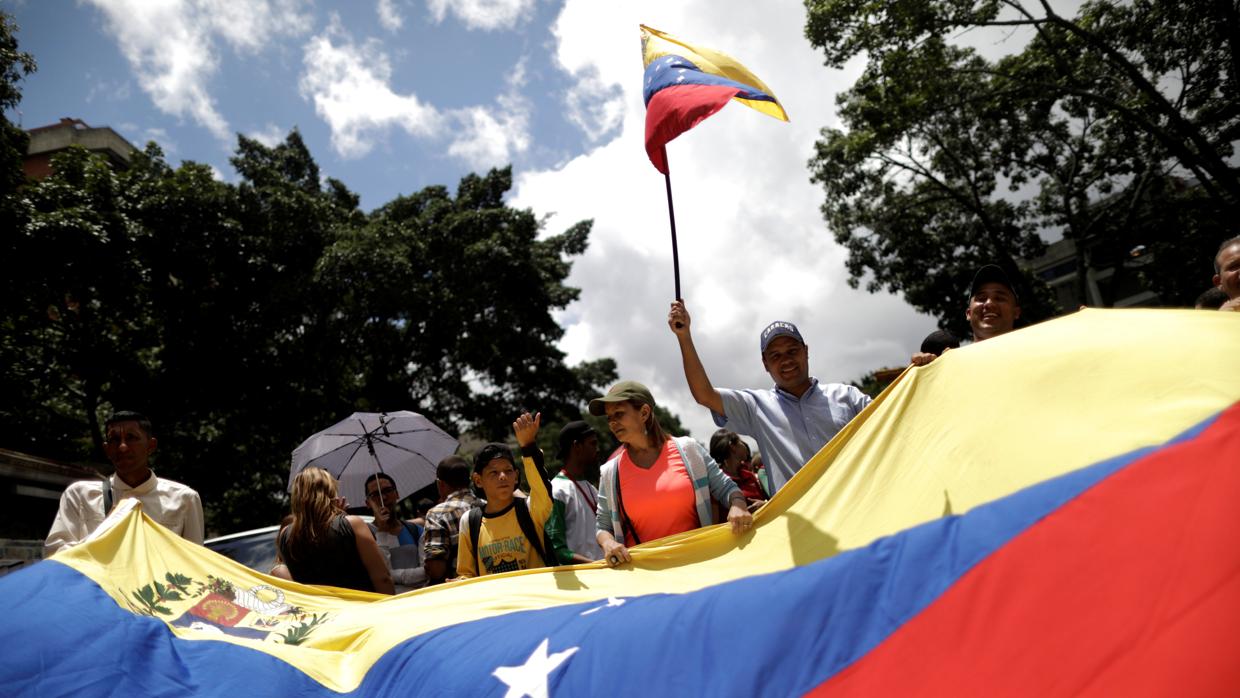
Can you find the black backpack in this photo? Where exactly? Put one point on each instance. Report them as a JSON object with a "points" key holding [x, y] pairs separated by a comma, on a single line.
{"points": [[524, 520]]}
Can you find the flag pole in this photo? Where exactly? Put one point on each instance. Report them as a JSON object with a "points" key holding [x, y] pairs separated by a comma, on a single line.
{"points": [[671, 216]]}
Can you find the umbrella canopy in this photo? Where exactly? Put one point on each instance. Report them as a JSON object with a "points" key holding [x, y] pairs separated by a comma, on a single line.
{"points": [[405, 445]]}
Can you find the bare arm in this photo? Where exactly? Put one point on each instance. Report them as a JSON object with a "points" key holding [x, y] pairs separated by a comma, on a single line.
{"points": [[695, 373], [372, 558]]}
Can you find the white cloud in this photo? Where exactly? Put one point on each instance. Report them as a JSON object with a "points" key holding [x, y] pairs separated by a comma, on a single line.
{"points": [[269, 135], [110, 90], [170, 45], [161, 137], [389, 16], [753, 246], [594, 106], [489, 137], [349, 86], [486, 15]]}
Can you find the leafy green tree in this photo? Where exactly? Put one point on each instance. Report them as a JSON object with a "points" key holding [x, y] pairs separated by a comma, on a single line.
{"points": [[245, 317], [15, 65], [77, 308], [913, 187], [1083, 116], [456, 308]]}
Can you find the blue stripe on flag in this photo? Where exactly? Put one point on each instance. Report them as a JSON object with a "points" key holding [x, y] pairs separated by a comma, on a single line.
{"points": [[670, 71]]}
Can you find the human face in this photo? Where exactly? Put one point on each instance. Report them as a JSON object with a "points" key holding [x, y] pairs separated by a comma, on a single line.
{"points": [[787, 361], [128, 448], [587, 449], [992, 311], [628, 422], [381, 495], [498, 480], [1228, 277]]}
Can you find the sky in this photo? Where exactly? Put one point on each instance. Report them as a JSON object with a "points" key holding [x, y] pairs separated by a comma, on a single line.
{"points": [[394, 95]]}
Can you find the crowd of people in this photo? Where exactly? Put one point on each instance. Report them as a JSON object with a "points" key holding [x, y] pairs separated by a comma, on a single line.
{"points": [[652, 486]]}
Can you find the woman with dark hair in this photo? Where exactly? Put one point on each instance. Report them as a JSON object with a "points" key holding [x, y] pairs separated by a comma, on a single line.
{"points": [[655, 485], [323, 545], [732, 454]]}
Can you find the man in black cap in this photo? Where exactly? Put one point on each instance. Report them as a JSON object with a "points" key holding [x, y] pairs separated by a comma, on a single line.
{"points": [[791, 421], [579, 452], [993, 308]]}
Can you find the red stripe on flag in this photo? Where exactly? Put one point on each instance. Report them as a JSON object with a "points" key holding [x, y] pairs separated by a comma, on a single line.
{"points": [[1132, 588], [674, 110]]}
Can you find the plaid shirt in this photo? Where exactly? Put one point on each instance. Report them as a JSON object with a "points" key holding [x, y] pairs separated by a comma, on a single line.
{"points": [[443, 526]]}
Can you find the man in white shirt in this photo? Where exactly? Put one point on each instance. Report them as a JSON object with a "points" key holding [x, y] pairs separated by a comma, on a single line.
{"points": [[579, 451], [398, 540], [128, 444]]}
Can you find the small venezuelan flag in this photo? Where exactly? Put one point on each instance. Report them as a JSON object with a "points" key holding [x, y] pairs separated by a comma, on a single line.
{"points": [[684, 84]]}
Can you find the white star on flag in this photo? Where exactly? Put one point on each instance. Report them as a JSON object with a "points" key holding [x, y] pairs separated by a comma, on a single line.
{"points": [[530, 679], [612, 602]]}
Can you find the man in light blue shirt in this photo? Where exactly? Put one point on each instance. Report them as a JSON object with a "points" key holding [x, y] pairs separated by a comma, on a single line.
{"points": [[792, 421]]}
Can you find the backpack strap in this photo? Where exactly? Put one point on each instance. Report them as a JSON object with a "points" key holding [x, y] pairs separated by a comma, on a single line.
{"points": [[474, 517], [107, 497], [526, 522], [626, 525], [413, 531]]}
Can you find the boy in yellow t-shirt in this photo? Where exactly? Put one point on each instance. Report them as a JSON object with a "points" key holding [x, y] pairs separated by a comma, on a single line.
{"points": [[506, 542]]}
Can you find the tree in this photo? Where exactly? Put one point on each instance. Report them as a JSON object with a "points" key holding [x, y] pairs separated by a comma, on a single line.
{"points": [[455, 311], [243, 318], [911, 187], [77, 308], [15, 65], [1083, 114]]}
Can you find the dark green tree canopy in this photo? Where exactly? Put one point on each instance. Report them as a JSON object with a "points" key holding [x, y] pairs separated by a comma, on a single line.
{"points": [[1114, 128], [246, 317]]}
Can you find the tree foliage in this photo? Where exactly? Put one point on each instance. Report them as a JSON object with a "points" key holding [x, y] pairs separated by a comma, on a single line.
{"points": [[1114, 127], [15, 65], [244, 317]]}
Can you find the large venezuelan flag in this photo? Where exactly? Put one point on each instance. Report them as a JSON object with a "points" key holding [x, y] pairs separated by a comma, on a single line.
{"points": [[1051, 512], [684, 84]]}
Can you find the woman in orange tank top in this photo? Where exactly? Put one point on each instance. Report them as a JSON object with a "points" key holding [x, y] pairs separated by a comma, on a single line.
{"points": [[655, 486]]}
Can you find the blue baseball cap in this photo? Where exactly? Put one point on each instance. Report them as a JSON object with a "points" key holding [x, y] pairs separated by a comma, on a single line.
{"points": [[780, 328]]}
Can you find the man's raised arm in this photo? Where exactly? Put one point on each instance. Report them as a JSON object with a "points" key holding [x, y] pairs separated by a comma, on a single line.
{"points": [[695, 374]]}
